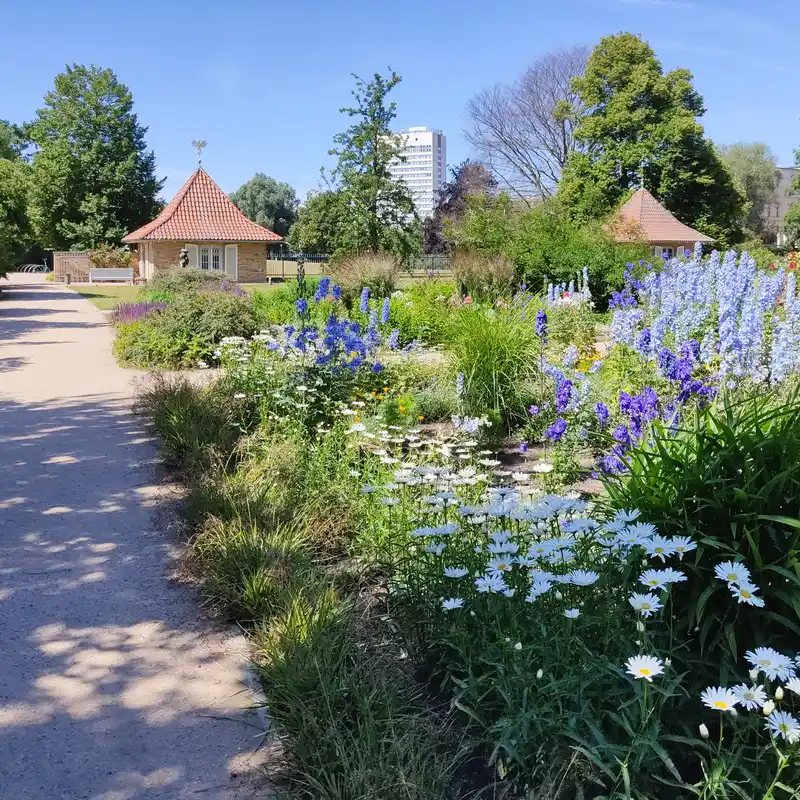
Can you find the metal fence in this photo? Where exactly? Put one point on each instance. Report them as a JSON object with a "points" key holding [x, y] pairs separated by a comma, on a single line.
{"points": [[281, 268]]}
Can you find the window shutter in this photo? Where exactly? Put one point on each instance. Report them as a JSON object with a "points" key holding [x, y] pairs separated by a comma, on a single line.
{"points": [[657, 251], [232, 261], [194, 259]]}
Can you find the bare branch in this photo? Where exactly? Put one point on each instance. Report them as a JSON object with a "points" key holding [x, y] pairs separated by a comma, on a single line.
{"points": [[524, 131]]}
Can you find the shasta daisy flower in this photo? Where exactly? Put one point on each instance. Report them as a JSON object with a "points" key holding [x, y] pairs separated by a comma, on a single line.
{"points": [[436, 549], [540, 588], [732, 572], [750, 696], [745, 592], [455, 572], [719, 698], [627, 515], [582, 577], [794, 686], [644, 529], [682, 545], [499, 565], [645, 604], [646, 667], [654, 579], [773, 664], [572, 613], [504, 547], [781, 723], [490, 583], [452, 603], [659, 547], [673, 575]]}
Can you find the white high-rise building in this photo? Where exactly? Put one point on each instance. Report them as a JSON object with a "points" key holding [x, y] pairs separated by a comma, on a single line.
{"points": [[423, 167]]}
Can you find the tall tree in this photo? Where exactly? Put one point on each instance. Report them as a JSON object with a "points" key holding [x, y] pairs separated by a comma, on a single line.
{"points": [[469, 179], [15, 229], [524, 131], [93, 177], [755, 169], [642, 128], [267, 202], [380, 211]]}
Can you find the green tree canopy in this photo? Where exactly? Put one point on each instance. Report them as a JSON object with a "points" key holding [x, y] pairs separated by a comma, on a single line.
{"points": [[755, 169], [15, 229], [642, 128], [322, 224], [12, 140], [93, 177], [267, 202], [379, 212]]}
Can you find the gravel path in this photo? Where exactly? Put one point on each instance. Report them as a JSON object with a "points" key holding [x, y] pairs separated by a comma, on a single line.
{"points": [[111, 684]]}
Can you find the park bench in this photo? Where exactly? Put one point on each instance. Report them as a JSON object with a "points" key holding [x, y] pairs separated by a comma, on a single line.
{"points": [[110, 274]]}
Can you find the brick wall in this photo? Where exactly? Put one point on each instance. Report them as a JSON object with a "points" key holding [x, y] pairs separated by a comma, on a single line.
{"points": [[252, 262], [165, 254]]}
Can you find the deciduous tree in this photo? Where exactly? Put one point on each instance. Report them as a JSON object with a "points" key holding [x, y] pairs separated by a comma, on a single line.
{"points": [[321, 224], [379, 211], [12, 140], [524, 131], [642, 128], [267, 202], [755, 169], [15, 229], [93, 177]]}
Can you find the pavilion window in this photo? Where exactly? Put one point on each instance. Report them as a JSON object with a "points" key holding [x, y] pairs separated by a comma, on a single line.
{"points": [[212, 258]]}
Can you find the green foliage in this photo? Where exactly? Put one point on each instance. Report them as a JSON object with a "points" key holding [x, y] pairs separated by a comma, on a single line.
{"points": [[321, 225], [497, 353], [424, 311], [267, 203], [482, 276], [93, 178], [791, 225], [167, 284], [275, 307], [15, 228], [378, 211], [642, 129], [754, 167], [107, 255], [12, 141], [187, 331], [727, 477]]}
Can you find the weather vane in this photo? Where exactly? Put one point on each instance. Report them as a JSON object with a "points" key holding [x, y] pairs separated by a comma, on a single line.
{"points": [[199, 144]]}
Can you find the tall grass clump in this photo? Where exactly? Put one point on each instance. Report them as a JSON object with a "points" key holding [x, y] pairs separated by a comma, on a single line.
{"points": [[481, 274], [378, 272], [498, 355]]}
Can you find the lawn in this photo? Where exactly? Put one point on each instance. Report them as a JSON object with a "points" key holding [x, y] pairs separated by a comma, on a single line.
{"points": [[107, 297]]}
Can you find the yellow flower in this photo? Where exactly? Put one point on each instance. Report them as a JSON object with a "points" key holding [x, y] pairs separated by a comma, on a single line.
{"points": [[402, 409], [420, 418], [380, 397], [385, 388], [358, 419], [374, 393]]}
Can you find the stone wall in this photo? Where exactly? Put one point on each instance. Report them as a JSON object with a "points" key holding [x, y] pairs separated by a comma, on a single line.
{"points": [[252, 262]]}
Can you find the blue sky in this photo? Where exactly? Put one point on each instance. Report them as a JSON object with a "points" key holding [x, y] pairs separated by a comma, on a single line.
{"points": [[262, 82]]}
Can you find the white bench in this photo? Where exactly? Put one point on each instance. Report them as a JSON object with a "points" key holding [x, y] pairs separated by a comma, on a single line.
{"points": [[110, 274]]}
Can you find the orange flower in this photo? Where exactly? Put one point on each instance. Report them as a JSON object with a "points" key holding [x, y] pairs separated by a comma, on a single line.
{"points": [[420, 418], [358, 419], [402, 409]]}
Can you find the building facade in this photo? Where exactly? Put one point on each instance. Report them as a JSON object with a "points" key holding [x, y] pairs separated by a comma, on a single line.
{"points": [[422, 166], [775, 211]]}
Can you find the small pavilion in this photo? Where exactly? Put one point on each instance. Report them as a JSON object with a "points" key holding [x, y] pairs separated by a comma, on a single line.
{"points": [[644, 218], [217, 236]]}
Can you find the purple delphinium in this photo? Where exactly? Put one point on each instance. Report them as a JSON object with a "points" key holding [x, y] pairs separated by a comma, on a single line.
{"points": [[534, 411], [563, 396], [460, 385], [557, 430], [393, 340], [571, 356], [363, 306], [642, 345], [336, 292], [302, 306], [523, 448], [385, 311], [541, 323], [602, 413]]}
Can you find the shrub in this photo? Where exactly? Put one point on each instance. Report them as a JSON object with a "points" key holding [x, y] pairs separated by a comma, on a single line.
{"points": [[175, 281], [107, 255], [729, 475], [378, 272], [276, 306], [482, 275], [424, 312], [187, 331], [498, 354]]}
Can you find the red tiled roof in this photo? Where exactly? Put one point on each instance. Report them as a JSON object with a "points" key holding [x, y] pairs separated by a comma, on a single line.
{"points": [[656, 223], [202, 212]]}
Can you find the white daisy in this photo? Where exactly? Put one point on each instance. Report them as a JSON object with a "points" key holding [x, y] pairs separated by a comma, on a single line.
{"points": [[750, 696], [645, 604], [794, 685], [773, 664], [719, 698], [645, 530], [646, 667], [502, 547], [627, 515], [436, 549], [682, 545], [732, 572], [745, 593], [526, 561], [452, 604], [658, 547], [455, 572], [582, 577], [654, 579], [673, 575], [572, 613], [542, 467], [539, 588], [490, 583], [784, 724], [499, 565]]}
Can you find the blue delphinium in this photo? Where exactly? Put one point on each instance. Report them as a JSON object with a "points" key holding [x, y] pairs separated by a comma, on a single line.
{"points": [[557, 430], [393, 340], [642, 345], [363, 306], [571, 356], [336, 292], [322, 290], [385, 311], [602, 413], [460, 385], [563, 396], [302, 306], [541, 323]]}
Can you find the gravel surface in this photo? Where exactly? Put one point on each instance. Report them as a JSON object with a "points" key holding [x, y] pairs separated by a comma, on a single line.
{"points": [[112, 684]]}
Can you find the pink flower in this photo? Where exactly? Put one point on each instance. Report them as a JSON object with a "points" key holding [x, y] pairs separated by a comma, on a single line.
{"points": [[467, 300]]}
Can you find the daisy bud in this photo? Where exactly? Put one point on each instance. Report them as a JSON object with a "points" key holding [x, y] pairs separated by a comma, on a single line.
{"points": [[768, 708], [539, 673], [518, 646], [668, 661], [733, 712], [704, 731], [779, 693], [508, 641], [472, 613], [559, 596], [640, 626], [753, 674]]}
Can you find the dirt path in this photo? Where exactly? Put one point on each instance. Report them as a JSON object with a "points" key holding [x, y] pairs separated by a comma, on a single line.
{"points": [[110, 685]]}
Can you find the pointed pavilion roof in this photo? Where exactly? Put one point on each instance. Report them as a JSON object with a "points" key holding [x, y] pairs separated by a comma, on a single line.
{"points": [[656, 223], [202, 212]]}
